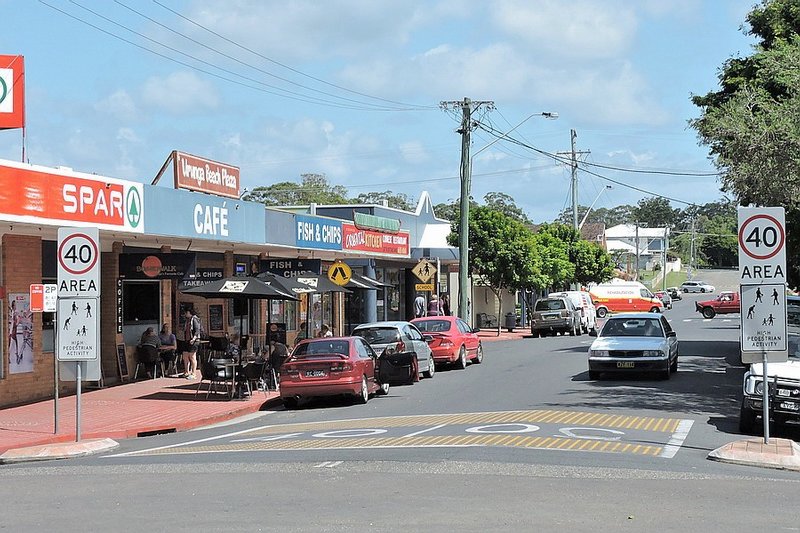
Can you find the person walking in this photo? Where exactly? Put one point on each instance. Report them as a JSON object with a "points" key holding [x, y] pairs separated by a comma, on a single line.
{"points": [[434, 306], [419, 306], [191, 334], [325, 331], [446, 305]]}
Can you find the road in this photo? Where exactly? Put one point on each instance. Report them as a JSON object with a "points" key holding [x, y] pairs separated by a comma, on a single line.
{"points": [[523, 441]]}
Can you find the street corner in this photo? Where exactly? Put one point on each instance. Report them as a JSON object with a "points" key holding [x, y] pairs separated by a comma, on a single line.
{"points": [[781, 454], [48, 452]]}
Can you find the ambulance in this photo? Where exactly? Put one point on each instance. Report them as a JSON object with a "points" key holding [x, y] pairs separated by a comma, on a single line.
{"points": [[624, 297]]}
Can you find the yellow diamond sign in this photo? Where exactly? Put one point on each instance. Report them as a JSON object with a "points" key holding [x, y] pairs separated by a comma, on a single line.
{"points": [[425, 270], [339, 272]]}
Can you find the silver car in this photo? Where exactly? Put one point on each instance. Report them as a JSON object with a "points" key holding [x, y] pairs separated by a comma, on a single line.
{"points": [[635, 342], [696, 286], [402, 341]]}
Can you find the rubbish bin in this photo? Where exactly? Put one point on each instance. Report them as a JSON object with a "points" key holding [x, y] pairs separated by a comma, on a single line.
{"points": [[511, 322]]}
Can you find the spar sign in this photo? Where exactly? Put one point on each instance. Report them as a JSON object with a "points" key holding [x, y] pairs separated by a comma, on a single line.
{"points": [[762, 245]]}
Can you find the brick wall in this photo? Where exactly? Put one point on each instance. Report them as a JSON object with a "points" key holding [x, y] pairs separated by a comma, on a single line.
{"points": [[109, 272]]}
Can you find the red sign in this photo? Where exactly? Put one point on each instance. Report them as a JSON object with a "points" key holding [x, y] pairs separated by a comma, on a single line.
{"points": [[364, 240], [37, 297], [32, 191], [203, 175], [12, 92]]}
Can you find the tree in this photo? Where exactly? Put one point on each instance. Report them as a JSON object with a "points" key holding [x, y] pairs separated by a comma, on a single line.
{"points": [[655, 212], [313, 188], [720, 244], [501, 251], [398, 201], [592, 263], [505, 204], [751, 125]]}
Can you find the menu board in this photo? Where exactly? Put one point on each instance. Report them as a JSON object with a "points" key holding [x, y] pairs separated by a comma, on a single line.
{"points": [[215, 318]]}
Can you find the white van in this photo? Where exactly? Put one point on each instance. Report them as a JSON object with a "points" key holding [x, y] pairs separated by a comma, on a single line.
{"points": [[582, 301], [624, 297]]}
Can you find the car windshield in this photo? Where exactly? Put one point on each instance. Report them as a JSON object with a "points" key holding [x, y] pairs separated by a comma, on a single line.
{"points": [[432, 326], [794, 346], [322, 347], [632, 327], [378, 335], [550, 305]]}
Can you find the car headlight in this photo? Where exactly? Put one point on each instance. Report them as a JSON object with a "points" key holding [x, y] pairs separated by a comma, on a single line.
{"points": [[759, 387], [598, 353], [653, 353]]}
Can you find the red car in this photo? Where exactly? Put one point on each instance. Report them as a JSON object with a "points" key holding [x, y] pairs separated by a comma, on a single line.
{"points": [[331, 366], [453, 341]]}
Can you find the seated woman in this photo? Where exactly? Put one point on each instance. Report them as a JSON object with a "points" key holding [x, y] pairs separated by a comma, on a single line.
{"points": [[169, 346], [150, 340]]}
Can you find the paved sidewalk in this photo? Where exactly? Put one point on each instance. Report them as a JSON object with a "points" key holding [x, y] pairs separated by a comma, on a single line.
{"points": [[124, 411], [488, 335]]}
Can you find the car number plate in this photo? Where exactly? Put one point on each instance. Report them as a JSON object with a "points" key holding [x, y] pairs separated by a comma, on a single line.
{"points": [[625, 364], [790, 406], [784, 392], [315, 373]]}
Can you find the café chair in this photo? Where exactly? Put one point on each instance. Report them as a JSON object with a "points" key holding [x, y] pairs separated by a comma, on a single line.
{"points": [[215, 372], [147, 356], [254, 373]]}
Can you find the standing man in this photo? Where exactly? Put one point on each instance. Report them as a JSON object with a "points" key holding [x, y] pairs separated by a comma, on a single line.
{"points": [[419, 306], [191, 334]]}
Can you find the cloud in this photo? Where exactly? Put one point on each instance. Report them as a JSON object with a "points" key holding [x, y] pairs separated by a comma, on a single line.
{"points": [[119, 105], [414, 152], [179, 93]]}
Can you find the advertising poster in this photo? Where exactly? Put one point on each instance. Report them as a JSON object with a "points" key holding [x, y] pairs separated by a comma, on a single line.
{"points": [[20, 334]]}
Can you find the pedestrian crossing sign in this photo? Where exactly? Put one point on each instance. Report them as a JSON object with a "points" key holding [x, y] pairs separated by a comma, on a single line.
{"points": [[425, 270], [339, 272]]}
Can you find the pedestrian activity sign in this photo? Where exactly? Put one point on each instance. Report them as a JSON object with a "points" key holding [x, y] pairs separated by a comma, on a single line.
{"points": [[763, 322], [78, 329], [762, 245], [339, 273], [78, 262], [424, 270]]}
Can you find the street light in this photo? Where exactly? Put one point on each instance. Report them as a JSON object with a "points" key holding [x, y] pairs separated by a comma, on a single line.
{"points": [[591, 206], [466, 179]]}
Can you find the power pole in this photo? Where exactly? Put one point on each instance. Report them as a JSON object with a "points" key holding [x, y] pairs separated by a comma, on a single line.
{"points": [[574, 184], [691, 251], [637, 251], [467, 108]]}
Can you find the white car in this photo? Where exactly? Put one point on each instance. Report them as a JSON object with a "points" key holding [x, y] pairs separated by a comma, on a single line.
{"points": [[635, 342], [584, 303], [696, 286], [784, 402]]}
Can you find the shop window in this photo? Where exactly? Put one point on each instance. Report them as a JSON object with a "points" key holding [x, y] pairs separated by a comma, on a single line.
{"points": [[141, 301]]}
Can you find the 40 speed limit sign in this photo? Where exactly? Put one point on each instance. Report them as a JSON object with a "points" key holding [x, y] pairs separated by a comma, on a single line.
{"points": [[762, 245], [78, 255]]}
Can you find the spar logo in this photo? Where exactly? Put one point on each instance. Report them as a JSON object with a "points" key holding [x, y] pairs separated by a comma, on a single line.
{"points": [[133, 207], [6, 83], [3, 89]]}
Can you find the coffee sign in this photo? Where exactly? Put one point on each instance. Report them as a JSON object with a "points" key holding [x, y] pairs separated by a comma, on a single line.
{"points": [[204, 175]]}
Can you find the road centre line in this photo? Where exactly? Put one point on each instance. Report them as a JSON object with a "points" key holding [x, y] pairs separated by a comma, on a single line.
{"points": [[424, 431]]}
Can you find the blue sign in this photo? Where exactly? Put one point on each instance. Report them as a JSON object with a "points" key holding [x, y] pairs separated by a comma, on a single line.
{"points": [[317, 232]]}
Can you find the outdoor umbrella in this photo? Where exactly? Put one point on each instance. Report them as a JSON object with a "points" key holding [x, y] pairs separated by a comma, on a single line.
{"points": [[360, 281], [319, 283], [285, 284]]}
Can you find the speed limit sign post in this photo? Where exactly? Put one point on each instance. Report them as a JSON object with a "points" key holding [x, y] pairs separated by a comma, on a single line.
{"points": [[762, 291], [78, 256]]}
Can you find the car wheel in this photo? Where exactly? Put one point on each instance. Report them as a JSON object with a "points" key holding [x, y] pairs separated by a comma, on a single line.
{"points": [[747, 419], [383, 390], [685, 290], [578, 330], [654, 310], [708, 312], [290, 403], [665, 374], [702, 290], [674, 366], [462, 358], [479, 355], [585, 329], [594, 375], [601, 312], [363, 396], [431, 369], [572, 331]]}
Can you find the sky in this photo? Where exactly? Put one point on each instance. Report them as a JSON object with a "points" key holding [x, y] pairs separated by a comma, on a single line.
{"points": [[352, 89]]}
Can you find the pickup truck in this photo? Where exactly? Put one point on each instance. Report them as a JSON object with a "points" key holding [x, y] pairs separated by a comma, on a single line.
{"points": [[726, 302], [784, 389]]}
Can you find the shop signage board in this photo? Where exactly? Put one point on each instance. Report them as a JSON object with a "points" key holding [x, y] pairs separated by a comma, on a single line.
{"points": [[176, 265], [365, 240], [340, 273], [12, 92], [201, 277], [762, 272], [318, 232], [43, 297], [78, 329], [289, 267], [424, 270], [204, 175], [67, 198], [78, 255]]}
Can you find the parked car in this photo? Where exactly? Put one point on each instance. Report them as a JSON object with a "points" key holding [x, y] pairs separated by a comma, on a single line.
{"points": [[675, 293], [665, 298], [552, 314], [727, 302], [624, 297], [582, 300], [452, 340], [793, 310], [408, 353], [696, 286], [784, 388], [635, 342], [331, 366]]}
